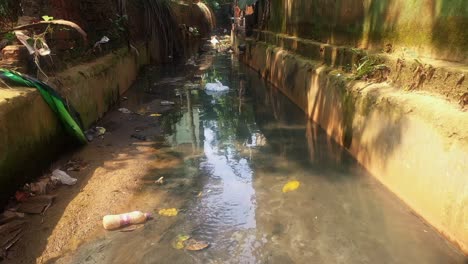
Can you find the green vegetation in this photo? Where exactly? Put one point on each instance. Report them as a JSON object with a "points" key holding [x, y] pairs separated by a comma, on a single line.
{"points": [[244, 3], [119, 27], [216, 4], [212, 76], [368, 66]]}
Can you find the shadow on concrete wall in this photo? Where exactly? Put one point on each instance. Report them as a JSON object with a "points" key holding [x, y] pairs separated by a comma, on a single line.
{"points": [[450, 26], [326, 21], [326, 98], [435, 28], [378, 22]]}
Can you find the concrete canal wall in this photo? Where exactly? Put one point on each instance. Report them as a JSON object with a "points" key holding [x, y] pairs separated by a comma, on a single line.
{"points": [[30, 134], [431, 28], [407, 128], [416, 144]]}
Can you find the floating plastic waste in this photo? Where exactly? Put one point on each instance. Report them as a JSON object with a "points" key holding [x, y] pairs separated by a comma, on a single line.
{"points": [[111, 222], [214, 40], [166, 103], [291, 186], [125, 111], [216, 87]]}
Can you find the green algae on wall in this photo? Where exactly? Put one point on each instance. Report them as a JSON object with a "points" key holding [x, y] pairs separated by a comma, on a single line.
{"points": [[435, 28], [28, 143]]}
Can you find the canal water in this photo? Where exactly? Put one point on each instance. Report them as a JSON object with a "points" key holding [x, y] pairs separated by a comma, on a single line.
{"points": [[240, 148]]}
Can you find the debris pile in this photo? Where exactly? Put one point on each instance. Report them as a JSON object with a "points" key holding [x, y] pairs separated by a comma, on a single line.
{"points": [[95, 132], [33, 198], [11, 231]]}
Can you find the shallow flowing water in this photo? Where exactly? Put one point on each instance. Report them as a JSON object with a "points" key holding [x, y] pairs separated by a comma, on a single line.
{"points": [[239, 149]]}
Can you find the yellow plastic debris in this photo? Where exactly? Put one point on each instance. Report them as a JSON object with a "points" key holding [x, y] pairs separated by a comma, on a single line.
{"points": [[168, 212], [155, 115], [291, 186]]}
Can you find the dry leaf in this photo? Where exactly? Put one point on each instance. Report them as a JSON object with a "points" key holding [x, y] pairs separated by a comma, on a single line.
{"points": [[168, 212], [291, 186], [179, 242], [194, 245]]}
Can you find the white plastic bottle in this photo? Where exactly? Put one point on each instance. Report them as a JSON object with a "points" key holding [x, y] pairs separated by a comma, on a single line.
{"points": [[111, 222]]}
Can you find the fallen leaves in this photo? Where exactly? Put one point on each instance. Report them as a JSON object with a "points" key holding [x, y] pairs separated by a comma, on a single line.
{"points": [[168, 212], [185, 242], [10, 233], [194, 245], [291, 186], [179, 242], [79, 164]]}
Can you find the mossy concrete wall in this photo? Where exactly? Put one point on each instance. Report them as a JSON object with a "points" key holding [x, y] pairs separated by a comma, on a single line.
{"points": [[30, 134], [438, 77], [415, 144], [433, 28], [185, 15], [197, 15]]}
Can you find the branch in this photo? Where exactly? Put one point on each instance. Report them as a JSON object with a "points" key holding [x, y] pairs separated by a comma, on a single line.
{"points": [[59, 22]]}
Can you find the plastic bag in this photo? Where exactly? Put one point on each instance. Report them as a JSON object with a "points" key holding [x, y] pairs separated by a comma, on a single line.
{"points": [[63, 177], [40, 46], [166, 103], [23, 38], [125, 111], [216, 87], [103, 40]]}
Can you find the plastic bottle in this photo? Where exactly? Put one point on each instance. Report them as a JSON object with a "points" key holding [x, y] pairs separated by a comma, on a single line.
{"points": [[111, 222]]}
